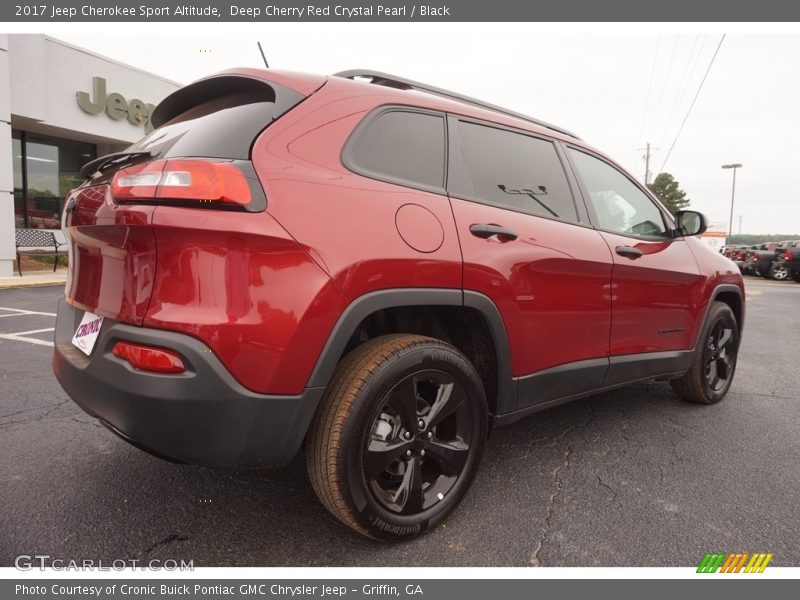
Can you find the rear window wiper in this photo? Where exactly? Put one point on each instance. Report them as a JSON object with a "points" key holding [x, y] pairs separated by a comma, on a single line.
{"points": [[98, 164]]}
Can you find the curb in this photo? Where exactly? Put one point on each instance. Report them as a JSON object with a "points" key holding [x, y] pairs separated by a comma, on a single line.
{"points": [[31, 284]]}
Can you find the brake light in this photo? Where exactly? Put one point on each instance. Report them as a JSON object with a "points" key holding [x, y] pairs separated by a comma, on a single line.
{"points": [[182, 179], [147, 358]]}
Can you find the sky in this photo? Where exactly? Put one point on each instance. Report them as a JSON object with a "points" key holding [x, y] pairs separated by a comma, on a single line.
{"points": [[616, 90]]}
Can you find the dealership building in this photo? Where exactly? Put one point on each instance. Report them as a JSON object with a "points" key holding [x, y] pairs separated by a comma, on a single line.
{"points": [[60, 107]]}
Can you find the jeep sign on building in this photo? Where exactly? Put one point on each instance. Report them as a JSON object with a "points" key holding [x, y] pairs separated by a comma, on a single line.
{"points": [[60, 107]]}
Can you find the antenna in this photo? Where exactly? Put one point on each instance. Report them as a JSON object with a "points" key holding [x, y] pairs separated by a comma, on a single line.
{"points": [[260, 49]]}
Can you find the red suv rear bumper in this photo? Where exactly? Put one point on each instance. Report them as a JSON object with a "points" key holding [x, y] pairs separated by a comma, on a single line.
{"points": [[203, 416]]}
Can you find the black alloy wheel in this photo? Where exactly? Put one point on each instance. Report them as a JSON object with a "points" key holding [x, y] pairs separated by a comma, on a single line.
{"points": [[711, 374], [398, 435], [418, 442], [719, 367]]}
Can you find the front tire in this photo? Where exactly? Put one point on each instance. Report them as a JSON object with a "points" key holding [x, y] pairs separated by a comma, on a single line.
{"points": [[398, 436], [711, 375]]}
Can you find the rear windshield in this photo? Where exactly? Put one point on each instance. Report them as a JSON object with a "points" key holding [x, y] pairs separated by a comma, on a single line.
{"points": [[222, 127], [216, 118]]}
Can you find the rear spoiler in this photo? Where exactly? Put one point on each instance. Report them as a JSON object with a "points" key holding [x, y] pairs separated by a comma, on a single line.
{"points": [[218, 86]]}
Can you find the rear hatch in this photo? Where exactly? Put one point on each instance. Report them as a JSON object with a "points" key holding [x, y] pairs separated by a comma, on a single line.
{"points": [[198, 155]]}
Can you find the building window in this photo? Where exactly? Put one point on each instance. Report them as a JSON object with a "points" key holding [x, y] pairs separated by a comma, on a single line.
{"points": [[45, 169], [19, 184]]}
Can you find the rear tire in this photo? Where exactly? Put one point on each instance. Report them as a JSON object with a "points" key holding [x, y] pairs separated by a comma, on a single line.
{"points": [[398, 436], [779, 272], [711, 375]]}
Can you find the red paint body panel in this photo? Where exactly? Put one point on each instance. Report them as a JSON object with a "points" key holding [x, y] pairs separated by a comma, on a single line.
{"points": [[551, 285], [717, 270], [345, 221], [112, 256], [239, 283], [657, 298]]}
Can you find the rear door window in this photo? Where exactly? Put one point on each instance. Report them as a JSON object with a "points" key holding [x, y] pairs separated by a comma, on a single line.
{"points": [[400, 146], [513, 170]]}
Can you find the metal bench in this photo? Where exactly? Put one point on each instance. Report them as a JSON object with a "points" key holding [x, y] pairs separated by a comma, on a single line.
{"points": [[37, 242]]}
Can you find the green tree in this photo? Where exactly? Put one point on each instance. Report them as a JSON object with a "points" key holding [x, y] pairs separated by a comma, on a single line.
{"points": [[666, 188]]}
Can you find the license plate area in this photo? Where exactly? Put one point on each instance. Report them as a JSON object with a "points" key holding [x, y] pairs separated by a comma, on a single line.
{"points": [[87, 333]]}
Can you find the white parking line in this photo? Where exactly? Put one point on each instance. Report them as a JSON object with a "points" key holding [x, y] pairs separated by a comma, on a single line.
{"points": [[17, 312], [20, 337]]}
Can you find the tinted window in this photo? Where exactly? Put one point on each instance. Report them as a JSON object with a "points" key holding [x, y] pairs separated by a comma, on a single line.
{"points": [[515, 171], [50, 167], [617, 203], [404, 146], [222, 127]]}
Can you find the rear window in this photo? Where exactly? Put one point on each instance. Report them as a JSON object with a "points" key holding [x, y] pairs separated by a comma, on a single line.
{"points": [[216, 118], [401, 147]]}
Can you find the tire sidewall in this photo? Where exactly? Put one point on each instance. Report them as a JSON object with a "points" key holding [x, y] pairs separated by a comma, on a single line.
{"points": [[368, 513], [720, 313]]}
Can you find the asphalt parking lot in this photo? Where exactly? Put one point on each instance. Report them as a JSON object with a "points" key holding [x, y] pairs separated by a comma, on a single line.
{"points": [[633, 477]]}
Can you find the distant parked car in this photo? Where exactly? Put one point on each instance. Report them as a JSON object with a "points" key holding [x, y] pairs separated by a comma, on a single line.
{"points": [[787, 263], [740, 257], [759, 260], [730, 251]]}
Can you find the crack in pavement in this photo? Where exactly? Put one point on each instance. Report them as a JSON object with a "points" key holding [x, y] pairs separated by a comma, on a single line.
{"points": [[34, 419], [93, 423], [625, 425], [166, 541], [534, 560], [536, 444], [25, 410], [602, 483]]}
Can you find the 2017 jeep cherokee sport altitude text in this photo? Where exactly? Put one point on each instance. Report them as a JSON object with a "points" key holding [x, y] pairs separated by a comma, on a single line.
{"points": [[377, 270]]}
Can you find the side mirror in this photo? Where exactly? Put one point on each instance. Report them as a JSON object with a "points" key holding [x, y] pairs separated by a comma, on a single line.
{"points": [[690, 222]]}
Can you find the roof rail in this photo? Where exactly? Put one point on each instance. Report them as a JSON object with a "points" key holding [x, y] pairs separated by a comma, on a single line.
{"points": [[400, 83]]}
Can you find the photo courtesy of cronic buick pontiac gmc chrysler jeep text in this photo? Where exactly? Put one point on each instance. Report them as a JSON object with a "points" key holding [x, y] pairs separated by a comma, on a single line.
{"points": [[377, 271]]}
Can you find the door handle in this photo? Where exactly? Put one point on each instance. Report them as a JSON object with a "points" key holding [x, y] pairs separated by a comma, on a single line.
{"points": [[487, 230], [629, 252]]}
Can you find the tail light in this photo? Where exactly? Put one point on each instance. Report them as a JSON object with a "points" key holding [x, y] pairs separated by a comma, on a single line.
{"points": [[184, 180], [148, 358], [787, 255], [740, 256]]}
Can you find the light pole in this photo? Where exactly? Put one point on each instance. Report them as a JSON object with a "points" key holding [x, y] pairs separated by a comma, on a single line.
{"points": [[733, 166]]}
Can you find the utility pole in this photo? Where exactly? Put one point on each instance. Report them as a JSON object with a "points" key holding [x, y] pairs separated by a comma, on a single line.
{"points": [[733, 166], [647, 152], [740, 224]]}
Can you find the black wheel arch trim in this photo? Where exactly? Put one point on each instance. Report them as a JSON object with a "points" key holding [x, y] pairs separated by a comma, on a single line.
{"points": [[723, 288], [365, 305], [508, 407]]}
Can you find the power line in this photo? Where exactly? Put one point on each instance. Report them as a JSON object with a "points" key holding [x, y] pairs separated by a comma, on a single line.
{"points": [[649, 88], [683, 87], [664, 89], [691, 106]]}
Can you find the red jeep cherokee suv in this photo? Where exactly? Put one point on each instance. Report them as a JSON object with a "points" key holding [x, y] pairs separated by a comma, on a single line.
{"points": [[378, 270]]}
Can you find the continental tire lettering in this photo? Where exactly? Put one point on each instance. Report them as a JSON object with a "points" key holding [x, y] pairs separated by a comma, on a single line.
{"points": [[395, 529]]}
